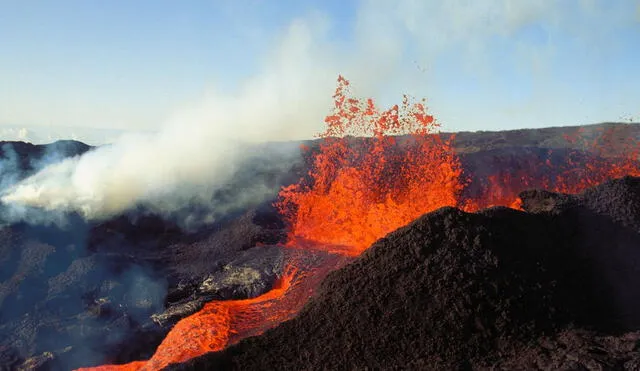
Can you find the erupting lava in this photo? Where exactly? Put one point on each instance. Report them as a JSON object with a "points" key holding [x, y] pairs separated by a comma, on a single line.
{"points": [[360, 189], [373, 172], [609, 155]]}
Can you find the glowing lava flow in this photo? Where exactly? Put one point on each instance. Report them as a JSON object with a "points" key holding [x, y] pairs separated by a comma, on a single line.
{"points": [[358, 190], [222, 323], [615, 154], [609, 155]]}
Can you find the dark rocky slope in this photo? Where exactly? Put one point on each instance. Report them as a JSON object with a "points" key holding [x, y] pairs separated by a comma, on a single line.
{"points": [[108, 291], [617, 134], [85, 293], [551, 288]]}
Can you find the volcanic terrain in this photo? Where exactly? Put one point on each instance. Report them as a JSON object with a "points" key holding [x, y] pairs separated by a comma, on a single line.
{"points": [[108, 292], [550, 287], [545, 283]]}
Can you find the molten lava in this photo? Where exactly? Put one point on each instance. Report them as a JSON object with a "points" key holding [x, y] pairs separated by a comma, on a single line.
{"points": [[609, 155], [360, 189], [222, 323], [373, 172]]}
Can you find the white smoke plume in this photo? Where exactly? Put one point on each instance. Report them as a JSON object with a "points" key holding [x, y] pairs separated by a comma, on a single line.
{"points": [[198, 151], [201, 148]]}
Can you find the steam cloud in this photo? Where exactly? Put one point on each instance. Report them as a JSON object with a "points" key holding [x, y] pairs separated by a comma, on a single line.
{"points": [[197, 152], [202, 148]]}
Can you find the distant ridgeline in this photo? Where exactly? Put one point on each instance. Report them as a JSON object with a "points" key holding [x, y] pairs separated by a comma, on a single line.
{"points": [[20, 159]]}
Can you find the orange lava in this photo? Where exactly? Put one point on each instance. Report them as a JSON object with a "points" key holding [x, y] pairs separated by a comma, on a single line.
{"points": [[593, 162], [615, 154], [222, 323], [359, 190]]}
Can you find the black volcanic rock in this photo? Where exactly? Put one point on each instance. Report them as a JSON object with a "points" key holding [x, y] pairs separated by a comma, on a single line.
{"points": [[21, 159], [578, 350], [554, 288], [108, 291], [195, 258], [87, 294], [605, 226], [247, 276], [551, 137], [250, 274], [83, 293]]}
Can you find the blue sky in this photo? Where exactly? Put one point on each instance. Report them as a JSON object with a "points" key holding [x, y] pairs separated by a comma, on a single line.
{"points": [[482, 65]]}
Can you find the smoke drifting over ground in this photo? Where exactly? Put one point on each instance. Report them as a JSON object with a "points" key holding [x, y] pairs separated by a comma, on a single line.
{"points": [[155, 174], [197, 153], [185, 163], [112, 179], [200, 150]]}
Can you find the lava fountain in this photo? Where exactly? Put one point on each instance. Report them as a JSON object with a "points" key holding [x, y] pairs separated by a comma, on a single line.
{"points": [[375, 171], [358, 190], [372, 172]]}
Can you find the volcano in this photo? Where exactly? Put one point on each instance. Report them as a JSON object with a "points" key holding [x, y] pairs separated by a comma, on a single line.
{"points": [[550, 287], [418, 249], [110, 292]]}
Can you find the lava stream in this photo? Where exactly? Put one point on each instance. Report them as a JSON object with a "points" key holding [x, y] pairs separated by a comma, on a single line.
{"points": [[222, 323], [358, 190]]}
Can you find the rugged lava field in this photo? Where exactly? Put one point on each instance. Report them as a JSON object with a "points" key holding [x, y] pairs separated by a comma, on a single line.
{"points": [[536, 280], [550, 287]]}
